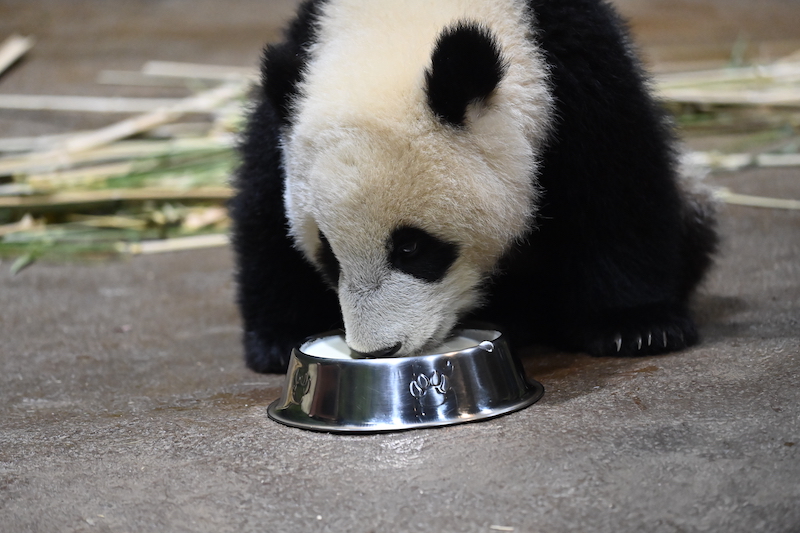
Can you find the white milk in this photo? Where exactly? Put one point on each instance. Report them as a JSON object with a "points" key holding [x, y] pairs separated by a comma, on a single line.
{"points": [[457, 343], [334, 347], [328, 347]]}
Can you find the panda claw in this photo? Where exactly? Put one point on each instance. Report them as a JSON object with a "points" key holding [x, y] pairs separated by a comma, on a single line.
{"points": [[639, 342], [618, 342], [649, 338], [664, 338]]}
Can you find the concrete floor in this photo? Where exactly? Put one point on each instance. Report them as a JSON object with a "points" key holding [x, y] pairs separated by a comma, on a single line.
{"points": [[124, 404]]}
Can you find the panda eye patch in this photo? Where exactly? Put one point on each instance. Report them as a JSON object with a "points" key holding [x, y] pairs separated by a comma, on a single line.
{"points": [[420, 254], [328, 262]]}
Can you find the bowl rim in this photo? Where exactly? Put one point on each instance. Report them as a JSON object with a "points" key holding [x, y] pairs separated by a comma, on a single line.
{"points": [[388, 361]]}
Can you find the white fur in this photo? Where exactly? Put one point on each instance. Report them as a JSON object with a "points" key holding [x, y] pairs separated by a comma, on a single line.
{"points": [[366, 155]]}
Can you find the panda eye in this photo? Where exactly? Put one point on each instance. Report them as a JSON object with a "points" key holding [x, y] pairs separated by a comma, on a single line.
{"points": [[420, 254], [408, 248], [328, 262]]}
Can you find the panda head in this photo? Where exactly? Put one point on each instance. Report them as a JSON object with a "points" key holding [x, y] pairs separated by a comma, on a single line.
{"points": [[408, 179]]}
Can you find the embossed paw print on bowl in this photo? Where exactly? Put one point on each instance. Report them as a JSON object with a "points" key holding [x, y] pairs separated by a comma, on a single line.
{"points": [[431, 390], [472, 377]]}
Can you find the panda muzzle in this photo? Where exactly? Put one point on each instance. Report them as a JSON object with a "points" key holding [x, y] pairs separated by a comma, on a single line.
{"points": [[384, 352]]}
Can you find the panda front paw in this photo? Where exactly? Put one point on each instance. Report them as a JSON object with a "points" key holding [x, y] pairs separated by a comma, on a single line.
{"points": [[266, 357], [640, 333]]}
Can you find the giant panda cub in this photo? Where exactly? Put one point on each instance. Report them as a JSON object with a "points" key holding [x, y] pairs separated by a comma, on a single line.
{"points": [[412, 164]]}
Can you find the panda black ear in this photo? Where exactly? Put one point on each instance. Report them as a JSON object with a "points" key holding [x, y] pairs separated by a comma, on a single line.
{"points": [[466, 67]]}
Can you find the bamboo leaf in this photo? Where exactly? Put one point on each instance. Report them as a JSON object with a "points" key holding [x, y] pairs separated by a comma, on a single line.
{"points": [[22, 262]]}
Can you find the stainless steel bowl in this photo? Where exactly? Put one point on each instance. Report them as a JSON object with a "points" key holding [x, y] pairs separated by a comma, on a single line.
{"points": [[340, 393]]}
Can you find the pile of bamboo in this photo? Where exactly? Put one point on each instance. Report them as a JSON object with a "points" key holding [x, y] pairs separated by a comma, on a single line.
{"points": [[759, 103], [149, 183], [156, 181]]}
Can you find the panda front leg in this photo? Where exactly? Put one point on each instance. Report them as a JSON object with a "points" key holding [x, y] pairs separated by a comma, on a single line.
{"points": [[603, 285], [600, 328], [630, 328], [281, 298], [625, 297], [281, 301], [646, 330], [564, 313]]}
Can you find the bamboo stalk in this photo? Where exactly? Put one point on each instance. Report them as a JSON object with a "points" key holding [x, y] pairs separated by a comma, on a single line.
{"points": [[70, 198], [778, 160], [205, 217], [132, 77], [26, 223], [739, 161], [15, 189], [774, 96], [92, 104], [117, 222], [727, 196], [80, 176], [175, 69], [64, 153], [31, 163], [12, 49], [30, 144], [775, 72], [206, 100], [716, 160], [175, 244]]}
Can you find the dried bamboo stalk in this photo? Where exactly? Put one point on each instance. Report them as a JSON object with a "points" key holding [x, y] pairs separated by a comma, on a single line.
{"points": [[136, 78], [118, 222], [739, 161], [33, 163], [775, 72], [719, 161], [15, 189], [26, 223], [68, 198], [174, 69], [206, 100], [91, 104], [12, 49], [773, 96], [205, 217], [175, 244], [778, 160], [727, 196], [31, 144], [64, 153], [79, 177]]}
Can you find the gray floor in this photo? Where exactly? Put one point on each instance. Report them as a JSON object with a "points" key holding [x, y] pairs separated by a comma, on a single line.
{"points": [[124, 404]]}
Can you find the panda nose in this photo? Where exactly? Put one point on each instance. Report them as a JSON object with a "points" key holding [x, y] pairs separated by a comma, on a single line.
{"points": [[383, 352]]}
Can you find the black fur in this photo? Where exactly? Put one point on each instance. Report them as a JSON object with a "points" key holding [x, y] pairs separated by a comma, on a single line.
{"points": [[281, 297], [615, 255], [331, 270], [284, 61], [466, 66]]}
